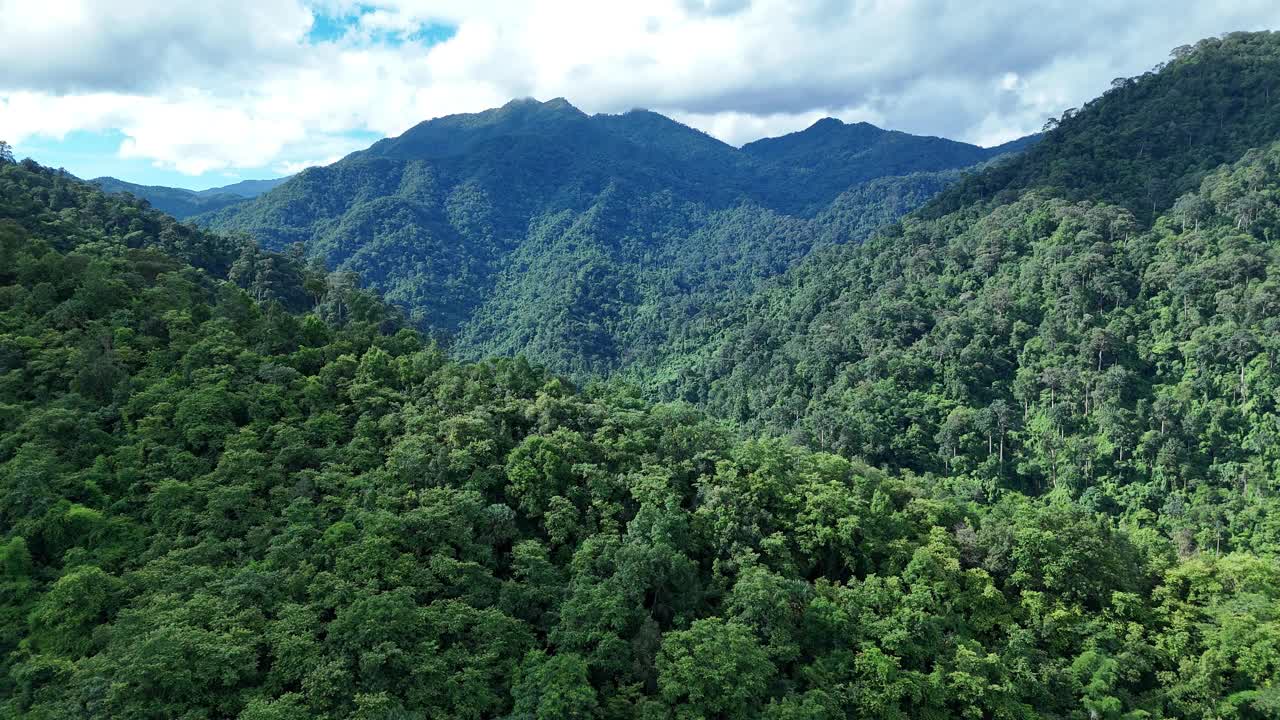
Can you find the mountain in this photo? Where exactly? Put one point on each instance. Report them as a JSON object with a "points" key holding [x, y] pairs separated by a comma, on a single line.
{"points": [[831, 156], [1014, 147], [181, 203], [233, 486], [586, 242], [244, 188]]}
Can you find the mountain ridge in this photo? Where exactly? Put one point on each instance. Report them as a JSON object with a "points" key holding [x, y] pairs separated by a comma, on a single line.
{"points": [[439, 217], [182, 203]]}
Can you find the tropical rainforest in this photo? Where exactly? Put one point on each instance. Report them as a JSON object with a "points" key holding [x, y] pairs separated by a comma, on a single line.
{"points": [[534, 415]]}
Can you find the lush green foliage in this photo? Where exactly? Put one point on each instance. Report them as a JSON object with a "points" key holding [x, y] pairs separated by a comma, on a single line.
{"points": [[235, 486], [623, 283], [66, 213], [216, 508], [1037, 344], [588, 243]]}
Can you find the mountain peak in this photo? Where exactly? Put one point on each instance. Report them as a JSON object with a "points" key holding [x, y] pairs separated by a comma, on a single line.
{"points": [[821, 138], [831, 124], [826, 122], [453, 135], [557, 104]]}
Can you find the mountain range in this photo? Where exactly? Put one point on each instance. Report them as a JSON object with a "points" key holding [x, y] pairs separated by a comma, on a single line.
{"points": [[181, 203], [582, 241]]}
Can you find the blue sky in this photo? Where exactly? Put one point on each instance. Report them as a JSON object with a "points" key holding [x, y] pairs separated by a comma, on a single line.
{"points": [[332, 28], [89, 155], [198, 95]]}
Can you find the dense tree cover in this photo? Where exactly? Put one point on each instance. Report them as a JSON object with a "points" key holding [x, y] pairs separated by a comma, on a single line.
{"points": [[56, 208], [215, 508], [618, 285], [587, 242], [233, 485], [182, 203]]}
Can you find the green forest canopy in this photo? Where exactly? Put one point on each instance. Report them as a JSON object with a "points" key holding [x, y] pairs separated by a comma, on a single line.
{"points": [[233, 485]]}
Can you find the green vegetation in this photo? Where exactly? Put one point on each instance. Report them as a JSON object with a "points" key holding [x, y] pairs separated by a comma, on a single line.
{"points": [[1015, 456], [1150, 139], [830, 157], [584, 242], [217, 508], [1044, 344], [1037, 344], [622, 283]]}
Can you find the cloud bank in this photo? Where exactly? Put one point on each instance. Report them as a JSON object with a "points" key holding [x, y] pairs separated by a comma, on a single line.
{"points": [[200, 87]]}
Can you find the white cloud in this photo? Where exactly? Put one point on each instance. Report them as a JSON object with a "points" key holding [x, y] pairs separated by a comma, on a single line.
{"points": [[74, 46], [292, 168], [209, 86]]}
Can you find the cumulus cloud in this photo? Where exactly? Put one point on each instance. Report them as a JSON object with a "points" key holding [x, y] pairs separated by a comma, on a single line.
{"points": [[75, 46], [246, 83]]}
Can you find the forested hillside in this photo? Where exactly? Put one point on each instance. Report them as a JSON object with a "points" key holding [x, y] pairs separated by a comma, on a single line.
{"points": [[587, 242], [268, 499], [1046, 342], [591, 294]]}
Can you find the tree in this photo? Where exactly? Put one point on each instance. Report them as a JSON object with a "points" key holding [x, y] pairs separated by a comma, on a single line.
{"points": [[715, 669], [64, 619], [6, 152], [554, 687]]}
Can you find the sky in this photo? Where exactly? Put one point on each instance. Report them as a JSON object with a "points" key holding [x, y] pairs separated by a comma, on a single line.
{"points": [[201, 94]]}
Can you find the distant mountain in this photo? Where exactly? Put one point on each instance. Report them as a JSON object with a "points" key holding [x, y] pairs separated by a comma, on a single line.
{"points": [[1016, 146], [245, 188], [583, 240], [182, 203], [831, 156]]}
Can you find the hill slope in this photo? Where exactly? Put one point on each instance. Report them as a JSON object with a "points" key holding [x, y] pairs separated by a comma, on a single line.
{"points": [[1150, 139], [245, 188], [1034, 340]]}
